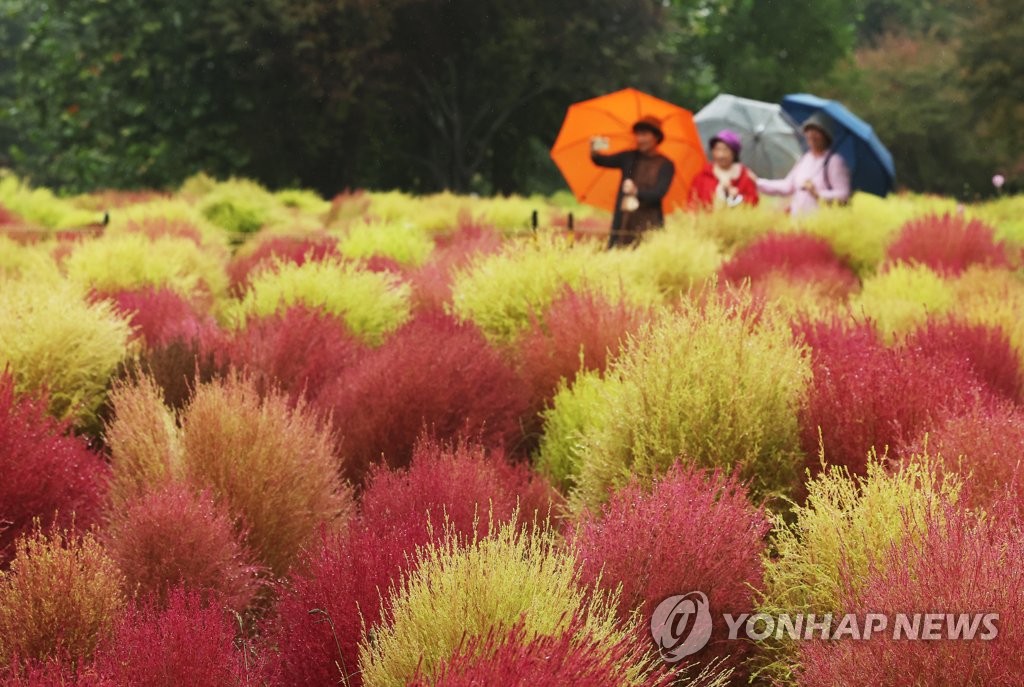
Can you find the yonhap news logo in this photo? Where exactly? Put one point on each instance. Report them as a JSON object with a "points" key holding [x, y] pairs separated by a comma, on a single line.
{"points": [[681, 625]]}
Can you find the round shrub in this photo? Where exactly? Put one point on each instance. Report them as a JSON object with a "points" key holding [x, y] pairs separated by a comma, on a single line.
{"points": [[985, 349], [145, 448], [795, 257], [173, 538], [271, 464], [261, 253], [503, 293], [338, 588], [133, 261], [902, 297], [432, 281], [948, 244], [185, 641], [865, 395], [487, 586], [238, 206], [838, 539], [578, 331], [371, 304], [984, 445], [487, 490], [710, 385], [298, 351], [666, 264], [49, 475], [433, 374], [159, 316], [60, 598], [959, 562], [573, 410], [569, 658], [692, 530], [54, 340], [403, 242]]}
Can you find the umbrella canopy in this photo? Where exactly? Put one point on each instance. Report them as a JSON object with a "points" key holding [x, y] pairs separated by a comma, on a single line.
{"points": [[772, 143], [871, 167], [612, 116]]}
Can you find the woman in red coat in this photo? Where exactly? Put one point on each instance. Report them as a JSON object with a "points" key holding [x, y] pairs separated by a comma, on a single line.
{"points": [[724, 182]]}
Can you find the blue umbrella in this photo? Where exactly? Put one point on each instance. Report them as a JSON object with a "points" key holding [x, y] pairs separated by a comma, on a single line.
{"points": [[871, 166]]}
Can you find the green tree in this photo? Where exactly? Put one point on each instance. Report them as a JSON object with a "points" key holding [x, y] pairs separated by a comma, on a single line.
{"points": [[909, 89]]}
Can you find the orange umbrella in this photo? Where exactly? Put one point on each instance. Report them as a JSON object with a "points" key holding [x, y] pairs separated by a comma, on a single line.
{"points": [[613, 116]]}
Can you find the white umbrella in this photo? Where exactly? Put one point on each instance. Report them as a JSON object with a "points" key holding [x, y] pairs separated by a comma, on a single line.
{"points": [[771, 140]]}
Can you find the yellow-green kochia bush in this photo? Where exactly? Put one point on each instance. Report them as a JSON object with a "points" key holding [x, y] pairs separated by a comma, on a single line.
{"points": [[711, 386], [902, 297], [669, 262], [846, 524], [39, 206], [55, 340], [239, 206], [562, 450], [504, 292], [371, 304], [403, 242], [463, 591], [133, 261]]}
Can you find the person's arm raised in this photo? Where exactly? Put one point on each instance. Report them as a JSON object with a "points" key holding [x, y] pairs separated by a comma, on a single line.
{"points": [[613, 161]]}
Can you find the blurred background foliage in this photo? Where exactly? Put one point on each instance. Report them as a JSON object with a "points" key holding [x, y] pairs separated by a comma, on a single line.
{"points": [[467, 95]]}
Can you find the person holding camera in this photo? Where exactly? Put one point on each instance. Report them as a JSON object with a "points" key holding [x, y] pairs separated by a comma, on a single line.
{"points": [[724, 182], [646, 177]]}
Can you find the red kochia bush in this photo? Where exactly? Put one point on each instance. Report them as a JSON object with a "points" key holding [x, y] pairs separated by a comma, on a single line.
{"points": [[948, 244], [866, 395], [579, 330], [346, 574], [568, 658], [298, 351], [434, 374], [794, 256], [693, 531], [46, 472], [460, 485], [431, 282], [988, 443], [173, 538], [962, 564], [986, 350], [186, 642], [338, 585], [290, 249], [160, 315]]}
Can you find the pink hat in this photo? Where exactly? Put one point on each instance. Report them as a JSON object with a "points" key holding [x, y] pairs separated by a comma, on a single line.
{"points": [[729, 138]]}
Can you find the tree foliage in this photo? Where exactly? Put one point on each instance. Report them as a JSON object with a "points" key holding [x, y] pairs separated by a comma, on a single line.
{"points": [[465, 94]]}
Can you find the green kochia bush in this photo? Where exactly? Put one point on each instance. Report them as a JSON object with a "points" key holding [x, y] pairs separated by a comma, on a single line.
{"points": [[505, 292], [54, 340], [371, 304], [711, 386], [403, 242]]}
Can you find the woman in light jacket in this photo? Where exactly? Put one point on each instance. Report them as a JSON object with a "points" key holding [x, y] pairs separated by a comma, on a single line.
{"points": [[821, 175]]}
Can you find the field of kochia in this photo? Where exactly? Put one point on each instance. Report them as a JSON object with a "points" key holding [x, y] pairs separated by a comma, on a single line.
{"points": [[262, 438]]}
